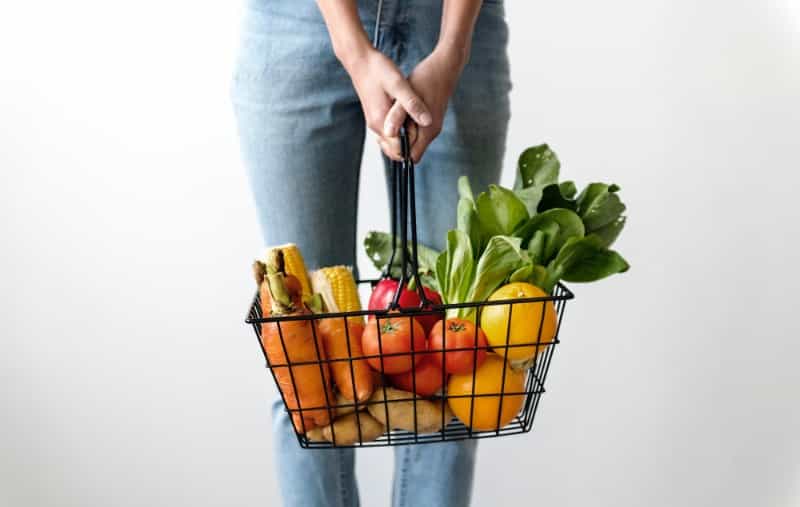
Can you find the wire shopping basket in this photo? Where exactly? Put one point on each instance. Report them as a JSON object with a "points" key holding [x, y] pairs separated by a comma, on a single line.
{"points": [[497, 396]]}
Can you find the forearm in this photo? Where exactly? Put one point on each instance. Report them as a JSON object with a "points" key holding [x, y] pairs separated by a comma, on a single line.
{"points": [[348, 37], [458, 24]]}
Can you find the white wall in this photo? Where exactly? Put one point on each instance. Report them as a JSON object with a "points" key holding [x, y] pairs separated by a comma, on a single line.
{"points": [[128, 377]]}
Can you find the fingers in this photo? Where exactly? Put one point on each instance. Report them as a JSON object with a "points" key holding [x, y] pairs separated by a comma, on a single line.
{"points": [[394, 118], [391, 145], [399, 88], [419, 148], [376, 113], [423, 139], [390, 150]]}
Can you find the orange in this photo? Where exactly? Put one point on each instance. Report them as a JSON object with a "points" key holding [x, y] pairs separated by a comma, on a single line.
{"points": [[488, 380]]}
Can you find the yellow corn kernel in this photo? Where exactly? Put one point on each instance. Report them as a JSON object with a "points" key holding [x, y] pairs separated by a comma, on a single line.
{"points": [[295, 265], [337, 287]]}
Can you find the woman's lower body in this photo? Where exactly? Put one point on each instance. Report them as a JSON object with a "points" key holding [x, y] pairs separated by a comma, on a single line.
{"points": [[302, 134]]}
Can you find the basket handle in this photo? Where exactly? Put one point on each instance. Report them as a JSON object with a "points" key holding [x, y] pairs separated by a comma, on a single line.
{"points": [[403, 216]]}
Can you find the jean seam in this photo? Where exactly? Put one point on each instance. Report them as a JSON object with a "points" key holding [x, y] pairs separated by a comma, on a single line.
{"points": [[401, 495], [342, 472]]}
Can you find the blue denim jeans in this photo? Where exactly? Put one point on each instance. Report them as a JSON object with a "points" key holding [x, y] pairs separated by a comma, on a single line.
{"points": [[302, 134]]}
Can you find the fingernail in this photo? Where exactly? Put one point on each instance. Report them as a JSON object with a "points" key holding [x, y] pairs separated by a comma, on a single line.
{"points": [[425, 119]]}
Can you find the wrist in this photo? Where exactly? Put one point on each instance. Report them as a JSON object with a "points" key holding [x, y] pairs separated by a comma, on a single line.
{"points": [[352, 50], [453, 51]]}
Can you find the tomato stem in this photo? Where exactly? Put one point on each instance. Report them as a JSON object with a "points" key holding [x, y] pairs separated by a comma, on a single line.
{"points": [[456, 326], [389, 326]]}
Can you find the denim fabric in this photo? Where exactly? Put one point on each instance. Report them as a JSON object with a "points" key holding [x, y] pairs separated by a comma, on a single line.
{"points": [[302, 134]]}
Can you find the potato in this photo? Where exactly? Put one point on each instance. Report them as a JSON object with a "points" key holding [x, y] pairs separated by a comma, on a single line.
{"points": [[346, 429], [401, 413], [315, 435], [343, 406]]}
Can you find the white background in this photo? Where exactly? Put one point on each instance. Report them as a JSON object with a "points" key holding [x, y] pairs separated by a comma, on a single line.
{"points": [[129, 378]]}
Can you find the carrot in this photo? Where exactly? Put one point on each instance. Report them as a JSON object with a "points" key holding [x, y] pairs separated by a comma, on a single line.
{"points": [[305, 386], [339, 293], [355, 384]]}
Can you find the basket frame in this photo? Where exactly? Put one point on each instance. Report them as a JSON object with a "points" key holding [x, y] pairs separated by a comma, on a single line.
{"points": [[534, 384]]}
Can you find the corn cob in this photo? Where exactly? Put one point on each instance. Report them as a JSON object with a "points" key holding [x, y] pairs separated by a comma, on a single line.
{"points": [[338, 289], [295, 265]]}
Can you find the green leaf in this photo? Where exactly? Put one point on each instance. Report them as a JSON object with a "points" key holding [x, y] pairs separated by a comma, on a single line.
{"points": [[586, 260], [552, 197], [530, 197], [537, 242], [521, 274], [538, 165], [553, 241], [609, 232], [468, 223], [568, 189], [539, 278], [441, 275], [379, 248], [464, 189], [426, 259], [599, 205], [458, 269], [567, 225], [501, 258], [589, 194], [430, 282], [500, 211]]}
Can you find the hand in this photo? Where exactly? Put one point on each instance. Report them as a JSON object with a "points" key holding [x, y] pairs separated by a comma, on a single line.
{"points": [[380, 84], [434, 79]]}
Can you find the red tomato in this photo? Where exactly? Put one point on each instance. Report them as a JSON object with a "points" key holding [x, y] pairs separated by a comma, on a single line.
{"points": [[428, 374], [459, 334], [394, 334], [384, 291], [428, 321]]}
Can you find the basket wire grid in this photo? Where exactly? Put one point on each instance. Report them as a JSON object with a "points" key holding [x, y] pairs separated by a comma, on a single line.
{"points": [[403, 210]]}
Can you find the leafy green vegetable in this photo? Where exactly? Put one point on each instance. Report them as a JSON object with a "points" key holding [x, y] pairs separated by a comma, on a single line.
{"points": [[500, 211], [426, 258], [522, 273], [537, 166], [501, 258], [539, 232], [454, 268], [567, 225], [379, 249], [441, 274], [568, 189], [609, 232], [530, 197], [465, 190], [586, 260], [599, 205], [468, 223], [539, 277], [540, 237], [552, 197]]}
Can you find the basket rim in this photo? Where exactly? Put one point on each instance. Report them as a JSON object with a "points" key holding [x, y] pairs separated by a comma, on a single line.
{"points": [[566, 295]]}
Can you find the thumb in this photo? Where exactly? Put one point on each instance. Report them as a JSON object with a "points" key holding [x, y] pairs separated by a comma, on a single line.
{"points": [[400, 90]]}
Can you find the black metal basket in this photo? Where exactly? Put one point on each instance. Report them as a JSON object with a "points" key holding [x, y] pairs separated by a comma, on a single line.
{"points": [[448, 428]]}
